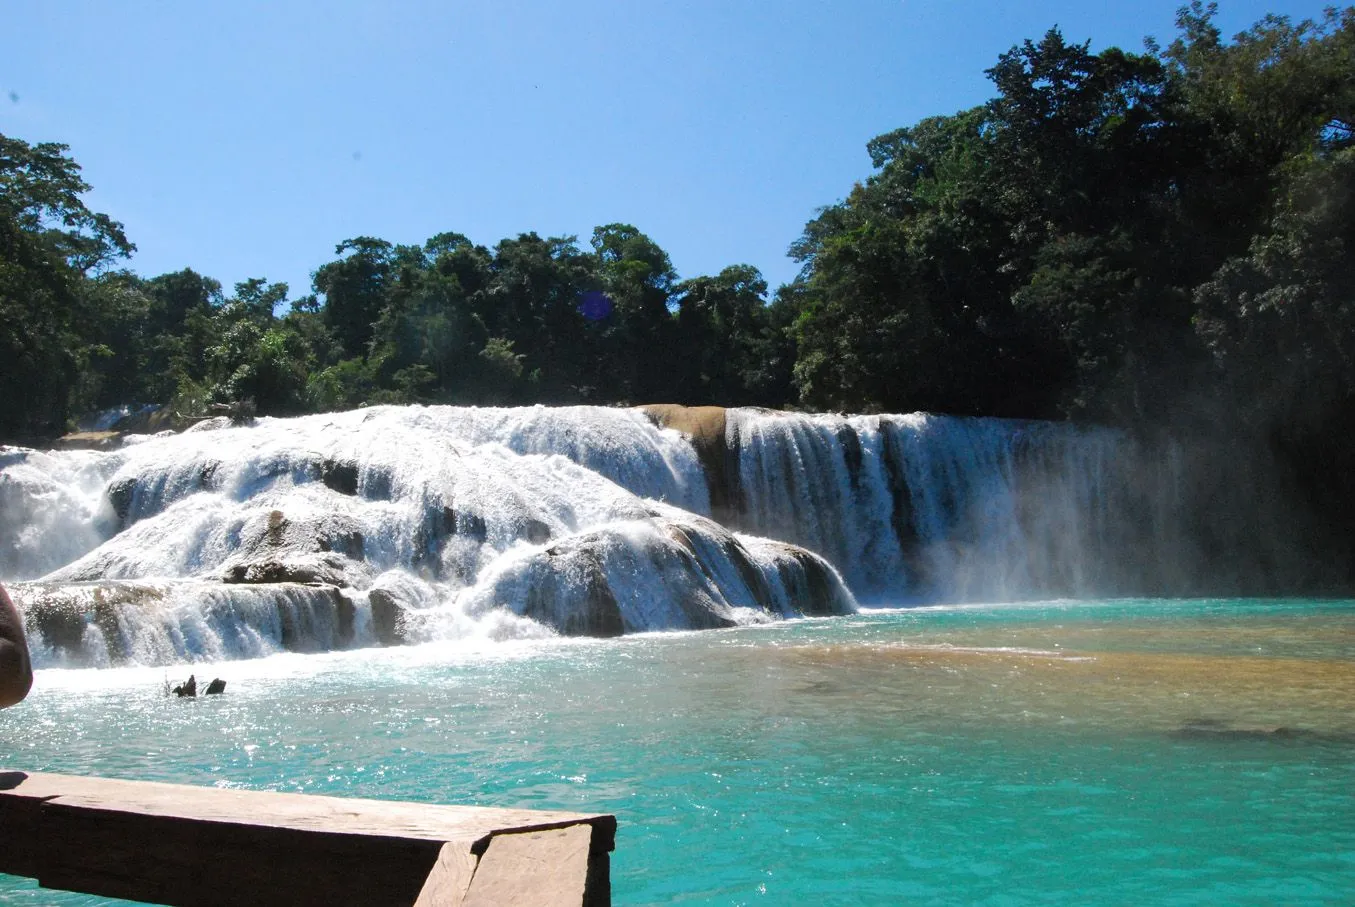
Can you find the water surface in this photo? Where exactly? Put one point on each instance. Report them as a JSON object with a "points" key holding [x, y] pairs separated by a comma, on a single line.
{"points": [[1161, 752]]}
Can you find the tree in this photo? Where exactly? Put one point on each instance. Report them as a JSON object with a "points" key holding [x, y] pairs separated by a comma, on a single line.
{"points": [[51, 243], [533, 300], [1279, 90], [905, 298], [257, 300], [1280, 320], [253, 356], [721, 326], [179, 330], [637, 276], [1077, 138], [1038, 255], [427, 332], [354, 290]]}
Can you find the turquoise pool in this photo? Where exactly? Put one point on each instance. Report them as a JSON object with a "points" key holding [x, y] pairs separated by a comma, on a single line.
{"points": [[1145, 752]]}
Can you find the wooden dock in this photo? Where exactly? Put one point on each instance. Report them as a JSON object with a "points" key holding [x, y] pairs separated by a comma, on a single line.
{"points": [[179, 845]]}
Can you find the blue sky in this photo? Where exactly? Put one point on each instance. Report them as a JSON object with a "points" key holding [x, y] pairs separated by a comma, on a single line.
{"points": [[246, 139]]}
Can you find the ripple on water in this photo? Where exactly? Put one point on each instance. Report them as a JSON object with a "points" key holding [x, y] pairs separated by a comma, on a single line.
{"points": [[1043, 753]]}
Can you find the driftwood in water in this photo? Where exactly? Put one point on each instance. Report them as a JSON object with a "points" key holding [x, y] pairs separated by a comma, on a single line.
{"points": [[188, 688]]}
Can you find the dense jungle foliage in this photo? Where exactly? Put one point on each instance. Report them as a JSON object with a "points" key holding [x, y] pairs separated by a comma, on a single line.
{"points": [[1160, 238]]}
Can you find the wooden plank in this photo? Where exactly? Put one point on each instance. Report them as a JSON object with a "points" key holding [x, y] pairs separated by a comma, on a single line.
{"points": [[20, 821], [446, 885], [175, 844], [425, 821], [217, 864], [533, 869]]}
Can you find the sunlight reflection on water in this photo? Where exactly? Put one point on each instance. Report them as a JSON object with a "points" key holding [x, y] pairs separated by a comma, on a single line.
{"points": [[1130, 751]]}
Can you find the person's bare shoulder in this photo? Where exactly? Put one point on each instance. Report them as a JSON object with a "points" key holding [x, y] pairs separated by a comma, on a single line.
{"points": [[16, 670]]}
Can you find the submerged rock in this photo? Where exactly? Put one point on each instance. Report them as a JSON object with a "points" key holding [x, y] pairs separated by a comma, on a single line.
{"points": [[1210, 729]]}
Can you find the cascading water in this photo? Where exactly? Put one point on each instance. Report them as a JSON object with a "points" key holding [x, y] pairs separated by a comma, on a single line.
{"points": [[418, 523], [935, 507], [391, 524]]}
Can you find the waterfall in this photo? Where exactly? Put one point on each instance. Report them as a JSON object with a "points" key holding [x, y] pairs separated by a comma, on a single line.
{"points": [[923, 507], [381, 526], [407, 524], [166, 621]]}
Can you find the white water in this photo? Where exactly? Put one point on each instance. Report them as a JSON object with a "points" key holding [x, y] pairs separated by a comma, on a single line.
{"points": [[465, 518], [423, 523], [933, 507]]}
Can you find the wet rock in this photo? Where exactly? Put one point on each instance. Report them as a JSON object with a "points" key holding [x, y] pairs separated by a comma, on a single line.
{"points": [[750, 574], [575, 609], [61, 627], [329, 570], [121, 494], [850, 442], [340, 476], [274, 547], [319, 620], [813, 587], [350, 544], [820, 591], [155, 419], [209, 423], [345, 615], [89, 440], [137, 497], [470, 525], [277, 528], [900, 495], [215, 688], [430, 539], [239, 412], [707, 429], [187, 689], [207, 474], [65, 613], [117, 621], [661, 573], [388, 618], [535, 531]]}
